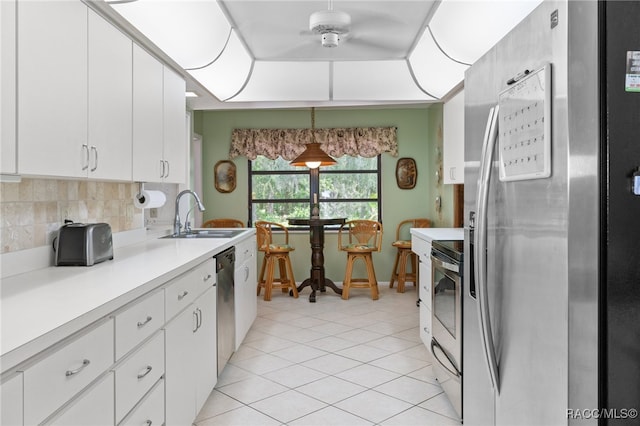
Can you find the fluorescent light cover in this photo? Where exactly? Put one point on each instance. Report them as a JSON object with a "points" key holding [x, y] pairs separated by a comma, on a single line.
{"points": [[435, 72], [375, 80], [287, 81], [191, 32], [466, 30]]}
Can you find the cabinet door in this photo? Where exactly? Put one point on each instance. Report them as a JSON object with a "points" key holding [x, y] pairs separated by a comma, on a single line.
{"points": [[147, 117], [11, 401], [93, 407], [245, 298], [205, 347], [8, 86], [179, 369], [453, 140], [109, 99], [176, 143], [52, 88]]}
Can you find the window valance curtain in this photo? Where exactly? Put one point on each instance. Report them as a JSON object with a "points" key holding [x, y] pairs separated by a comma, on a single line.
{"points": [[289, 143]]}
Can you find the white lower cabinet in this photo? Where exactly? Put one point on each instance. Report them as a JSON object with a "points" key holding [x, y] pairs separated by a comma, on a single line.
{"points": [[94, 407], [150, 410], [53, 380], [138, 373], [423, 249], [151, 361], [11, 401], [245, 281], [190, 352]]}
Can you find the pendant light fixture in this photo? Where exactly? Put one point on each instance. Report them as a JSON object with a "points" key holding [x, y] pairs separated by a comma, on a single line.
{"points": [[313, 156]]}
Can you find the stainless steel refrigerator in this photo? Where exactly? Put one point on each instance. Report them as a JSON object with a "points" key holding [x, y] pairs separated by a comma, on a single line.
{"points": [[551, 304]]}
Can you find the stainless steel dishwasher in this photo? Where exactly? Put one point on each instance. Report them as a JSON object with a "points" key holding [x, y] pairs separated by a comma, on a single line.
{"points": [[226, 329]]}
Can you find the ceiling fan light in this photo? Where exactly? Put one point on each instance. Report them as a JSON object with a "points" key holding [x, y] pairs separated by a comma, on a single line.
{"points": [[330, 39], [313, 157]]}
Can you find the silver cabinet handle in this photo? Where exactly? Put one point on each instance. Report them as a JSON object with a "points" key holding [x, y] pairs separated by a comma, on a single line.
{"points": [[162, 168], [246, 273], [147, 370], [181, 296], [85, 363], [168, 168], [145, 322], [148, 423], [95, 158], [206, 278], [85, 148]]}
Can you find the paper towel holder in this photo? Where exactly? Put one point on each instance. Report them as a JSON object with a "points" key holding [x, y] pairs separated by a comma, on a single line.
{"points": [[139, 195]]}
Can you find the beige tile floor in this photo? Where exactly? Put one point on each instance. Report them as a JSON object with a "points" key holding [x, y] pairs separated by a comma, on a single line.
{"points": [[333, 362]]}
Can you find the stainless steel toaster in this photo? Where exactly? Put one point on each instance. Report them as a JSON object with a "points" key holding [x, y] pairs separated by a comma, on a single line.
{"points": [[83, 244]]}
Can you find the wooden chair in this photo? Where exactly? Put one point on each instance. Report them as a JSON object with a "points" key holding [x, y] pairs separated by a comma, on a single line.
{"points": [[404, 253], [223, 223], [362, 238], [275, 252]]}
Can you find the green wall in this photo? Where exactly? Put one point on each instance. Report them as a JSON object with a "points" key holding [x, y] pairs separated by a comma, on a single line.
{"points": [[419, 137]]}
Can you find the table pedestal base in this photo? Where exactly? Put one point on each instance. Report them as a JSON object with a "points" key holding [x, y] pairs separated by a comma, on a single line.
{"points": [[326, 282]]}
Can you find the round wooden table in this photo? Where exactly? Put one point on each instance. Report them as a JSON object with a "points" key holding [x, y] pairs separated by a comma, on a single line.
{"points": [[317, 279]]}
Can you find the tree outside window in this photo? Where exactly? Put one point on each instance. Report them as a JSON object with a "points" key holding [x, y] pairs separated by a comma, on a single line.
{"points": [[349, 189]]}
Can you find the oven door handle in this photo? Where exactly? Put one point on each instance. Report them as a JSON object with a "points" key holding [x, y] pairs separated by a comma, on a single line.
{"points": [[436, 261], [455, 371]]}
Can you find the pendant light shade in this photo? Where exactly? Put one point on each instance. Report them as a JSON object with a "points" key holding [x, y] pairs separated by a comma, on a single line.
{"points": [[313, 157]]}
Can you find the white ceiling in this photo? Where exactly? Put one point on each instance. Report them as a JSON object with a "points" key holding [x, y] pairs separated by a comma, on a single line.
{"points": [[262, 54]]}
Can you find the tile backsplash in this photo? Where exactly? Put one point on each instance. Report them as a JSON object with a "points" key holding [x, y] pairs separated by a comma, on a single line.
{"points": [[33, 209]]}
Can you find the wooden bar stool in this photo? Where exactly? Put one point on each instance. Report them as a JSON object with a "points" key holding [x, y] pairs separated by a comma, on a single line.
{"points": [[404, 253], [223, 223], [275, 253], [364, 237]]}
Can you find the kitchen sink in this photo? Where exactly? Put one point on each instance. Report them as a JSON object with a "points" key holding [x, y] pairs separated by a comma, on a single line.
{"points": [[208, 233]]}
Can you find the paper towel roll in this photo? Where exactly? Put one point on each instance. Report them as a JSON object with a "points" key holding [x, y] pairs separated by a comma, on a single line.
{"points": [[149, 199]]}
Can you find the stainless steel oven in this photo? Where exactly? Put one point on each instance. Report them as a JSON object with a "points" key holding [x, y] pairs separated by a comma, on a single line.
{"points": [[446, 344]]}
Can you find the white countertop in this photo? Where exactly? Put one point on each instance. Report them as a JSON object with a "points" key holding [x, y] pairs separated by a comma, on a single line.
{"points": [[430, 234], [38, 307]]}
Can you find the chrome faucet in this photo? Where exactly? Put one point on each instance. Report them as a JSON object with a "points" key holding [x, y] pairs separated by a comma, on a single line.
{"points": [[176, 224]]}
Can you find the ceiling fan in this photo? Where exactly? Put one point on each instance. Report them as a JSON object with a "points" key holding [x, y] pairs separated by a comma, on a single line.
{"points": [[330, 24]]}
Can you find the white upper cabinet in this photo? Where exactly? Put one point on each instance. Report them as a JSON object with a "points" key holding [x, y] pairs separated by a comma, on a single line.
{"points": [[176, 141], [147, 117], [8, 86], [74, 93], [159, 110], [52, 88], [453, 140], [110, 105]]}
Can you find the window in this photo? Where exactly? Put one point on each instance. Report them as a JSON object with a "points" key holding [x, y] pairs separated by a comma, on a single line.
{"points": [[350, 189]]}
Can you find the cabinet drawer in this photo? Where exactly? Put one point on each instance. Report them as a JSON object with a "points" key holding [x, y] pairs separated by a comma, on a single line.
{"points": [[150, 411], [138, 322], [425, 282], [186, 288], [245, 250], [52, 381], [137, 374], [92, 408], [425, 326], [421, 247]]}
